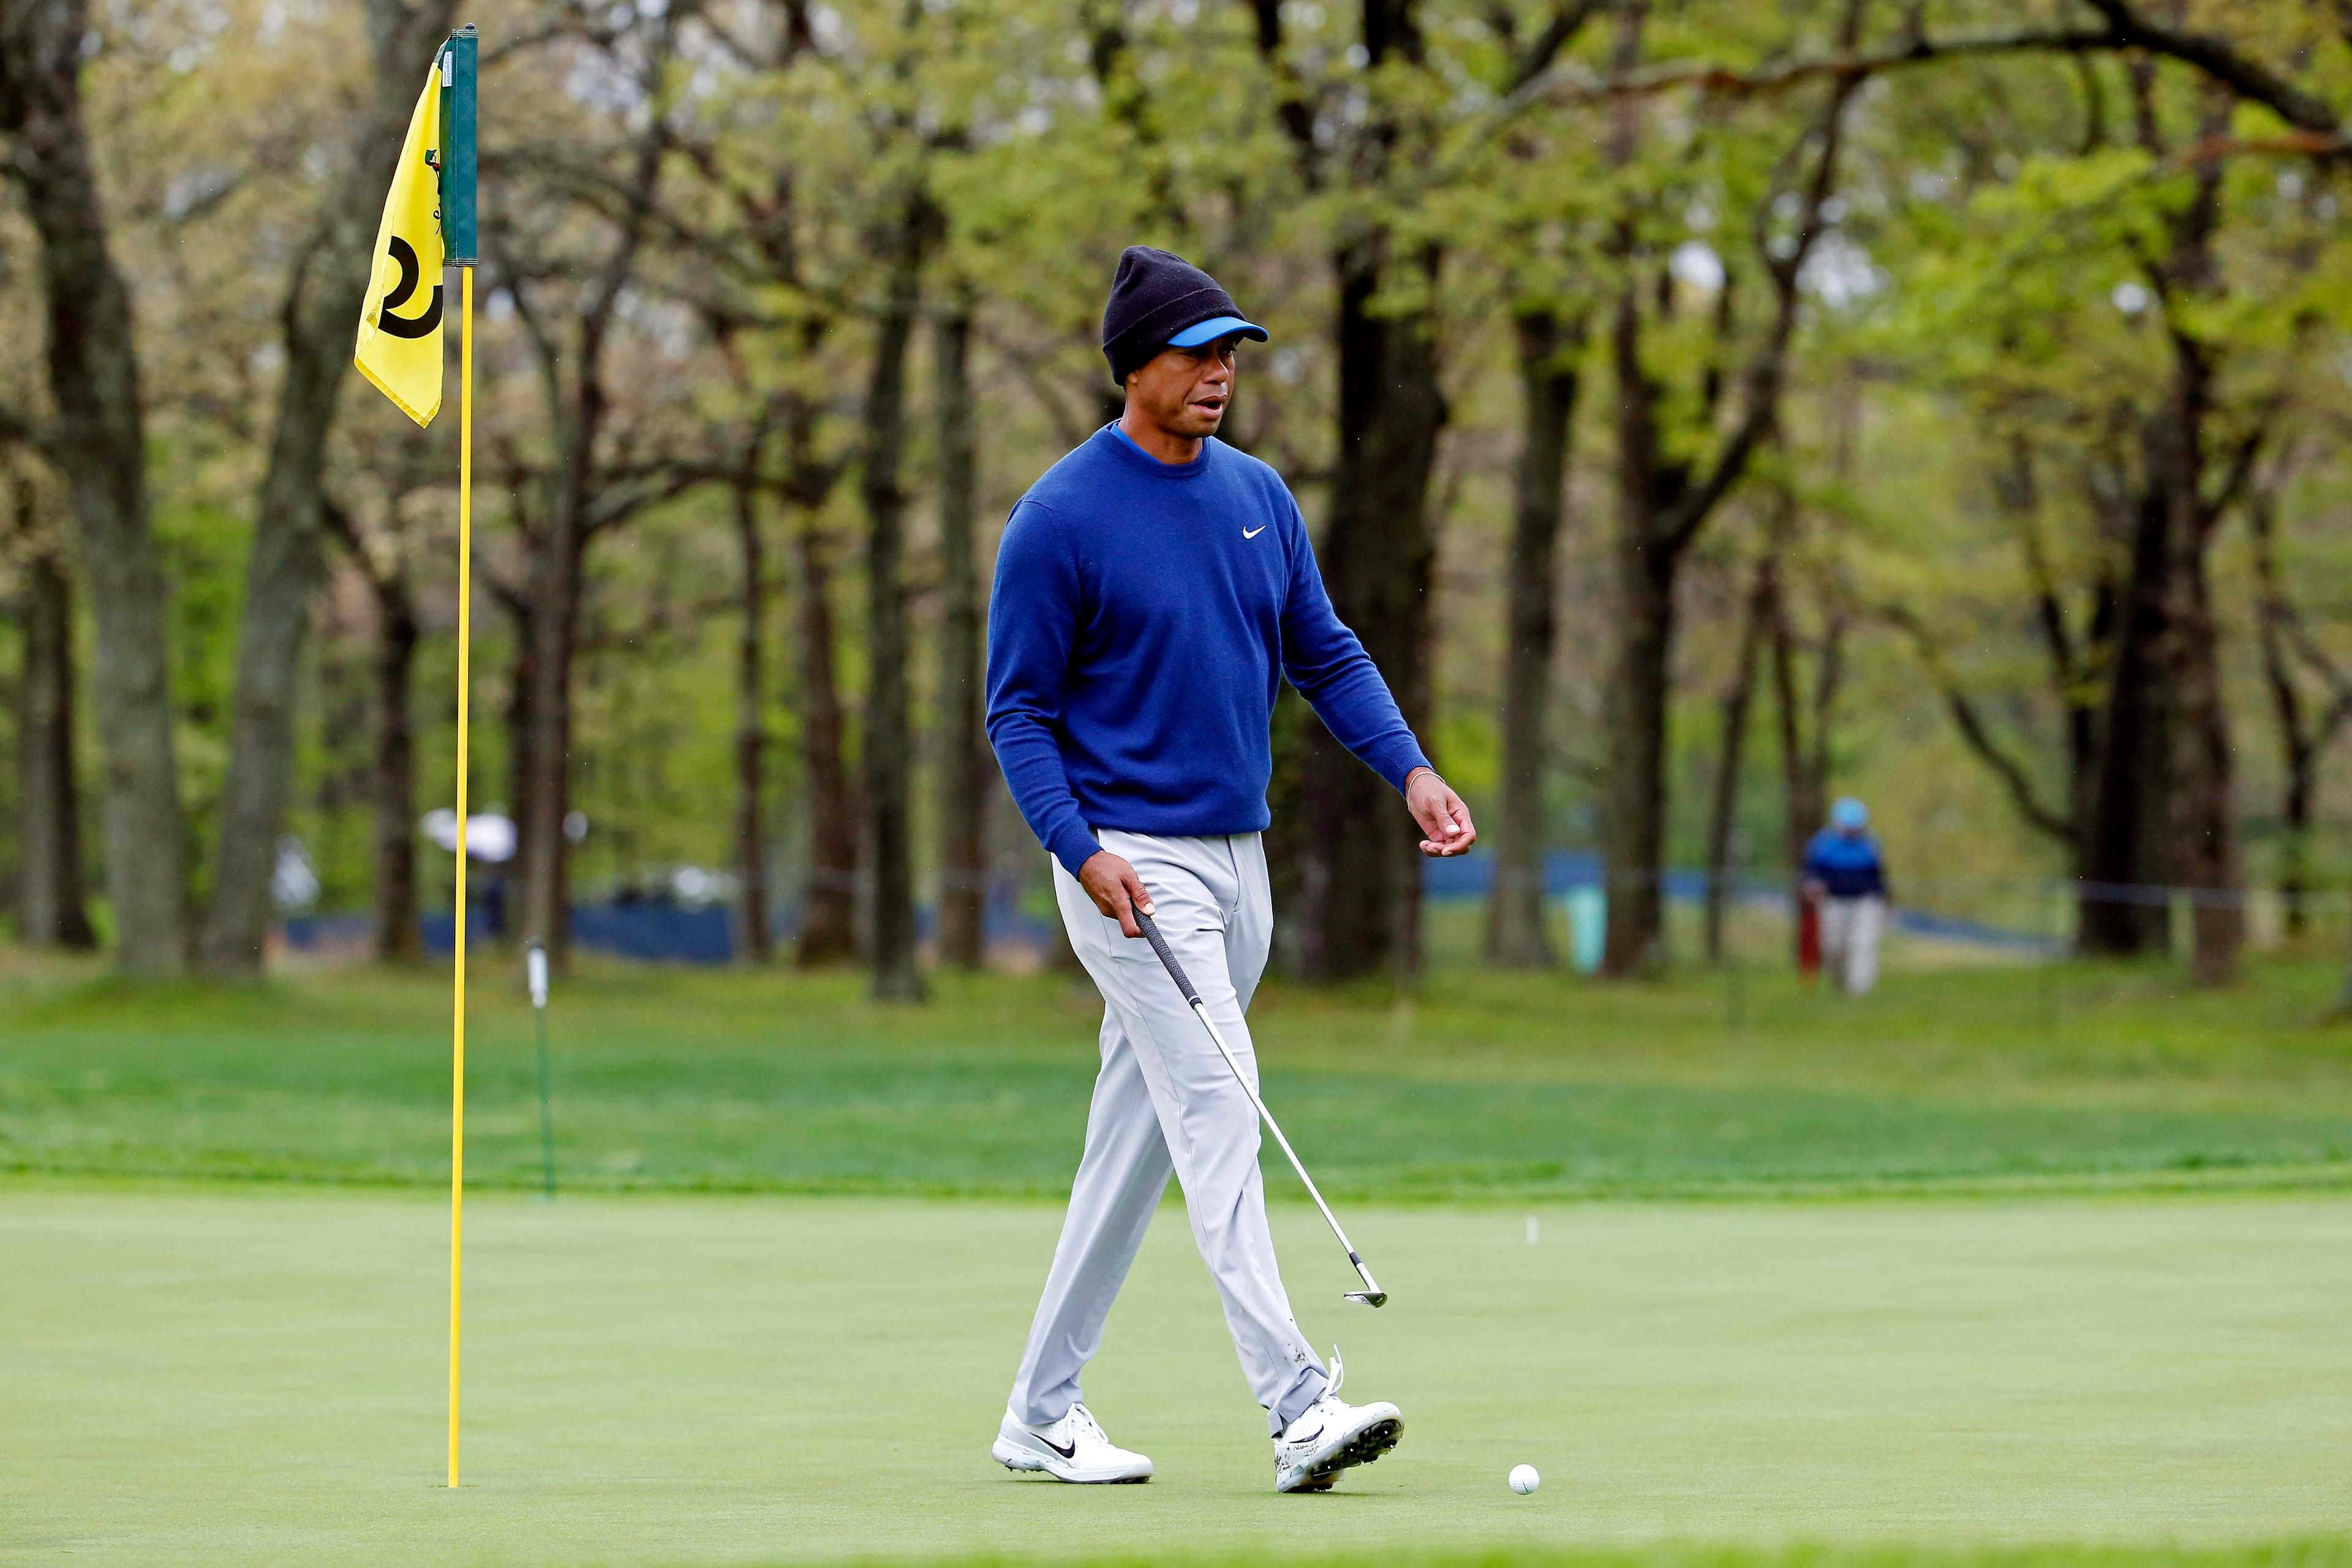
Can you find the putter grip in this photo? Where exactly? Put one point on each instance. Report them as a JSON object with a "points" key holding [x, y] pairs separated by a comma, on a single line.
{"points": [[1151, 929]]}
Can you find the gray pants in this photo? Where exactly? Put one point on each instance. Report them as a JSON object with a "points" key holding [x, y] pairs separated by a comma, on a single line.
{"points": [[1850, 931], [1165, 1102]]}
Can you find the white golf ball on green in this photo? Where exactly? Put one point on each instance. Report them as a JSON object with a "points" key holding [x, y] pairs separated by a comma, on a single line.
{"points": [[1524, 1479]]}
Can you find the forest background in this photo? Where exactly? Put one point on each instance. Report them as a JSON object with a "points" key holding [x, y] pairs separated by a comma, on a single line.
{"points": [[1704, 408]]}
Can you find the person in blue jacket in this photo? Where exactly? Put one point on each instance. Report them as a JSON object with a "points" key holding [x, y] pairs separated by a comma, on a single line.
{"points": [[1845, 875]]}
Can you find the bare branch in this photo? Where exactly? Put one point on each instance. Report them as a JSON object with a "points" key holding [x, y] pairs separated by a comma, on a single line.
{"points": [[617, 501], [1562, 85], [1292, 110], [1761, 394], [2322, 128], [2241, 465], [1566, 21], [1975, 732], [2219, 58]]}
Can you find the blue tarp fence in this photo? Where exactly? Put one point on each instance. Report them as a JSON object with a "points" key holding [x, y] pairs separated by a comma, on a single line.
{"points": [[705, 933], [645, 929]]}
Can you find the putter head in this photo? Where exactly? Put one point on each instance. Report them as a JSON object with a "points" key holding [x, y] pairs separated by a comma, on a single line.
{"points": [[1368, 1298]]}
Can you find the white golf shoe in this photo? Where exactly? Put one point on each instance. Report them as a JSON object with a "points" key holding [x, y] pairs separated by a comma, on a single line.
{"points": [[1331, 1435], [1074, 1449]]}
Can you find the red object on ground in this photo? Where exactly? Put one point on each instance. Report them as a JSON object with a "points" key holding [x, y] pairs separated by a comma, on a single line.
{"points": [[1809, 938]]}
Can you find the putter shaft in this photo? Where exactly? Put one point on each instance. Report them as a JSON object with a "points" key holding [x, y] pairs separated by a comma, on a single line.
{"points": [[1372, 1295]]}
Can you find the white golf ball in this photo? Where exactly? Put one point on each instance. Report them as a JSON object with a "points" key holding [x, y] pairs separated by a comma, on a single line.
{"points": [[1524, 1479]]}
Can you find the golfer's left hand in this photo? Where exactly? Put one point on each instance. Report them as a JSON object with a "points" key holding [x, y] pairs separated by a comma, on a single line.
{"points": [[1441, 813]]}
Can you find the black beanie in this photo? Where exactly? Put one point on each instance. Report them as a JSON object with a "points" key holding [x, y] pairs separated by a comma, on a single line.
{"points": [[1156, 295]]}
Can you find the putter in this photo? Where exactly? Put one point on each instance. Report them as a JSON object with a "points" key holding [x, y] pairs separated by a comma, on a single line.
{"points": [[1372, 1295]]}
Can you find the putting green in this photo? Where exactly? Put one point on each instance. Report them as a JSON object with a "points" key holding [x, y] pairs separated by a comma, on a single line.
{"points": [[256, 1377]]}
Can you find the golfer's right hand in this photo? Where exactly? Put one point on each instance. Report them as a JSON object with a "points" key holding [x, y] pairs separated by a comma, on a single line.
{"points": [[1115, 890]]}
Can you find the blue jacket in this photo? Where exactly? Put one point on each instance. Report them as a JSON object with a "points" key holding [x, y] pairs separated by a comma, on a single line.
{"points": [[1144, 616], [1849, 867]]}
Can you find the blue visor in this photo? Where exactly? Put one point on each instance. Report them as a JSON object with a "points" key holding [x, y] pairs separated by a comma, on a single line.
{"points": [[1212, 329]]}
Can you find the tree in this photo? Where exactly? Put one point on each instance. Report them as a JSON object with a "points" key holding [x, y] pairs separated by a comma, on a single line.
{"points": [[96, 439], [965, 765], [567, 294], [2075, 648], [1760, 618], [53, 911], [828, 932], [748, 485], [887, 766], [2183, 506], [2292, 659], [321, 303], [1807, 718], [379, 552], [2107, 315], [752, 708], [1357, 875], [1548, 348], [1362, 138], [1667, 492]]}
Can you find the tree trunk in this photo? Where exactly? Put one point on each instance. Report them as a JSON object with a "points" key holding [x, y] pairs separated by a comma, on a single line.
{"points": [[2205, 825], [1723, 809], [55, 908], [828, 928], [888, 759], [1634, 813], [963, 749], [2163, 807], [2299, 745], [287, 561], [1804, 757], [2125, 843], [547, 782], [522, 681], [569, 342], [2207, 828], [1548, 383], [1357, 876], [751, 728], [100, 445], [1633, 801], [2294, 847], [2073, 683], [1666, 498], [394, 791]]}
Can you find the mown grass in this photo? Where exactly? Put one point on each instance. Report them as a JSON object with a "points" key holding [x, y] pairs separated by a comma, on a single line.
{"points": [[255, 1376], [1483, 1084], [2317, 1554]]}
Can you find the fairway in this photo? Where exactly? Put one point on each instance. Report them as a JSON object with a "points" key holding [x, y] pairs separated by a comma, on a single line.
{"points": [[255, 1376], [1514, 1088]]}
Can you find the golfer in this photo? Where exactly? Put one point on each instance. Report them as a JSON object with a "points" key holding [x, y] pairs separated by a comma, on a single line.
{"points": [[1152, 591], [1845, 874]]}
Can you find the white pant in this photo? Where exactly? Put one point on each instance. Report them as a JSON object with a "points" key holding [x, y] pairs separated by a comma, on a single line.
{"points": [[1165, 1101], [1850, 929]]}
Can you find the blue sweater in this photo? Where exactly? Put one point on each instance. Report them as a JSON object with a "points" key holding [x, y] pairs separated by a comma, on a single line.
{"points": [[1144, 616], [1847, 866]]}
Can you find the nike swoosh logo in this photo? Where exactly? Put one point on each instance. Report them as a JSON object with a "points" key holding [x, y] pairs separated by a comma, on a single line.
{"points": [[1070, 1452], [1254, 532]]}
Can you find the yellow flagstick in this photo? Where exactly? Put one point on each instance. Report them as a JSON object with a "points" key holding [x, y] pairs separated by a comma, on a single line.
{"points": [[465, 689], [429, 224]]}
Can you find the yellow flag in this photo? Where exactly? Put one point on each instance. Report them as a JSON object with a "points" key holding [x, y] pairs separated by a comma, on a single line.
{"points": [[400, 322]]}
